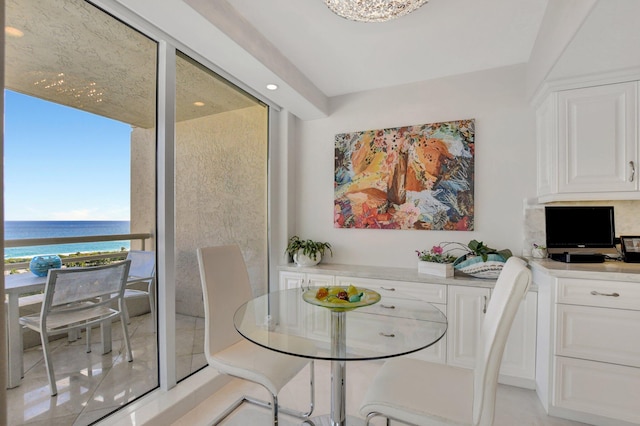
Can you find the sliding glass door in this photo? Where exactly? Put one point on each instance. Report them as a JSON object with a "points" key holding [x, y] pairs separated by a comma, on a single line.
{"points": [[220, 191]]}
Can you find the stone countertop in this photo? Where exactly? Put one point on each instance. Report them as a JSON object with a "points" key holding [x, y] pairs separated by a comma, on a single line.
{"points": [[609, 270], [388, 273]]}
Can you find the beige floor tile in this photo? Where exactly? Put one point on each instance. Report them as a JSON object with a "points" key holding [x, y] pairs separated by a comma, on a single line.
{"points": [[89, 384]]}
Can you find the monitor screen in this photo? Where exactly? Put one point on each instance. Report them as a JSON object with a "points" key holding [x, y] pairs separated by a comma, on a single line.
{"points": [[579, 226]]}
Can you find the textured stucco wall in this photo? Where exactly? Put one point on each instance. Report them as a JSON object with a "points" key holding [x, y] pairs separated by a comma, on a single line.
{"points": [[221, 196], [143, 185]]}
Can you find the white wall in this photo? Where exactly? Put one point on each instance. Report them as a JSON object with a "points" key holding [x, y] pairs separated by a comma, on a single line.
{"points": [[608, 41], [504, 164]]}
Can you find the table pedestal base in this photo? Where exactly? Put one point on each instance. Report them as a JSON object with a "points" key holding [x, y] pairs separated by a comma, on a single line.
{"points": [[326, 421]]}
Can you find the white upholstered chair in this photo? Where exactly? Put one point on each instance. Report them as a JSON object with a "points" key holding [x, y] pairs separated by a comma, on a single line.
{"points": [[76, 298], [422, 393], [226, 286], [143, 270]]}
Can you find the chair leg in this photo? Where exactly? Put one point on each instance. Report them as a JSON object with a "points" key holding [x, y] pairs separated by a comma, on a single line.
{"points": [[125, 311], [152, 307], [88, 336], [274, 409], [274, 404], [47, 362], [125, 334]]}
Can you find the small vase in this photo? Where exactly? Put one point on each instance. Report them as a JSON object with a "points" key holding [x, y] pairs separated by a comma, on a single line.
{"points": [[444, 270], [40, 265], [539, 253], [302, 259]]}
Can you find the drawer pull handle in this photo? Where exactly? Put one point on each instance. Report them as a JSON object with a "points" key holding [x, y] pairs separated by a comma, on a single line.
{"points": [[633, 171], [387, 334], [388, 289], [388, 306], [484, 305], [597, 293]]}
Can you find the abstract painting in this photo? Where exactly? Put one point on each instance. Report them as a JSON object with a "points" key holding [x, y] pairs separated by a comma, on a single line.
{"points": [[413, 177]]}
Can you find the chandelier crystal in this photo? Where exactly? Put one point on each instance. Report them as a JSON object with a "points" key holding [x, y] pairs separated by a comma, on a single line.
{"points": [[373, 10]]}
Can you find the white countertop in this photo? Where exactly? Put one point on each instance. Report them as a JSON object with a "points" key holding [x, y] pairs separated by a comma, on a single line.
{"points": [[608, 270], [387, 273]]}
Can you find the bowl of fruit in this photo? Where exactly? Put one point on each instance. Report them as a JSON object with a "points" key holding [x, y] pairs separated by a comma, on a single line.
{"points": [[340, 298]]}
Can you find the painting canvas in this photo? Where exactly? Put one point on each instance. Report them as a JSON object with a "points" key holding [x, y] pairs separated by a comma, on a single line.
{"points": [[414, 177]]}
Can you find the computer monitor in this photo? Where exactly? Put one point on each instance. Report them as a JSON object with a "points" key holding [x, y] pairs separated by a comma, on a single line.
{"points": [[570, 227]]}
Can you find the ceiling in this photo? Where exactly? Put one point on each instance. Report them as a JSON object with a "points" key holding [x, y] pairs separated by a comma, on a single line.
{"points": [[442, 38], [315, 54], [73, 54]]}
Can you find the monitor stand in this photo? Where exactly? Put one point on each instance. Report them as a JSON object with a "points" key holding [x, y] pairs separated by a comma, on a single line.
{"points": [[568, 257]]}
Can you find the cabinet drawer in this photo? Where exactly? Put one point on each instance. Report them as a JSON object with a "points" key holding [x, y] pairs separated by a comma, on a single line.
{"points": [[433, 293], [368, 340], [598, 388], [600, 334], [609, 294]]}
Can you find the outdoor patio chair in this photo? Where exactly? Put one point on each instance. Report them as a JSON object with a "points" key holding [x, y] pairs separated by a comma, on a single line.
{"points": [[143, 270], [77, 298]]}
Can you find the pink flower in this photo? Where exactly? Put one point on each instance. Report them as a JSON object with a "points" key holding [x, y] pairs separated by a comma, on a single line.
{"points": [[436, 250]]}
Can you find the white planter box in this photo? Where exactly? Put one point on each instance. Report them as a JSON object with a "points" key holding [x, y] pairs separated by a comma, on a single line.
{"points": [[438, 269]]}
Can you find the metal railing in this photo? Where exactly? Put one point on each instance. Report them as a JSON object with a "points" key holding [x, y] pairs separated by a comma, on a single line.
{"points": [[28, 242]]}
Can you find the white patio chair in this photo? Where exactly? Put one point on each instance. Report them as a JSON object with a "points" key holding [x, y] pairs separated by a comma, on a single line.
{"points": [[225, 286], [423, 393], [76, 298], [143, 270]]}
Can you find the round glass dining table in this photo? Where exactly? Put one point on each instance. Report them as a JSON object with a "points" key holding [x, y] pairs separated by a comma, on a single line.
{"points": [[339, 332]]}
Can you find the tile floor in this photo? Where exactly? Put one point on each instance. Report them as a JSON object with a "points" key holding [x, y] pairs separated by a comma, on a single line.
{"points": [[108, 381], [91, 385], [514, 406]]}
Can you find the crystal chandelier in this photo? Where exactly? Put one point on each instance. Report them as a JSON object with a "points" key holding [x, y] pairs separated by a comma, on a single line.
{"points": [[373, 10]]}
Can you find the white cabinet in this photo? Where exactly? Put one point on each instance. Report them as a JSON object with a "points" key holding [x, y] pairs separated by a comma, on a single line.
{"points": [[464, 306], [397, 294], [588, 144], [465, 312], [591, 370], [518, 366], [290, 279]]}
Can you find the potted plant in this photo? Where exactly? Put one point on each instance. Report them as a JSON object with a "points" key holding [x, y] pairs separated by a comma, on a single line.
{"points": [[435, 262], [481, 261], [306, 252]]}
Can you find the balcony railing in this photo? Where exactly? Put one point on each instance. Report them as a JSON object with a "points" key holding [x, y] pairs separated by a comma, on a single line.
{"points": [[28, 242]]}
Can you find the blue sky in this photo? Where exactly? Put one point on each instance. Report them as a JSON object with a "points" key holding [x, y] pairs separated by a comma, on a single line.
{"points": [[61, 163]]}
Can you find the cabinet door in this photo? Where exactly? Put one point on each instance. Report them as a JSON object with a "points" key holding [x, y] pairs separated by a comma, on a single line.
{"points": [[597, 139], [465, 311], [519, 359], [291, 280]]}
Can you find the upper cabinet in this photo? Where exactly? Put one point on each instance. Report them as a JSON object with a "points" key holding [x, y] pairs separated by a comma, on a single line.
{"points": [[588, 144]]}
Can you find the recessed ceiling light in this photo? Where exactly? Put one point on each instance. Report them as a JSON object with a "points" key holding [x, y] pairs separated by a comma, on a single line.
{"points": [[13, 32], [272, 86], [198, 103]]}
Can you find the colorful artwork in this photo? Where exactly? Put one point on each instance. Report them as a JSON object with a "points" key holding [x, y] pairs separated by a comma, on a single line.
{"points": [[415, 177]]}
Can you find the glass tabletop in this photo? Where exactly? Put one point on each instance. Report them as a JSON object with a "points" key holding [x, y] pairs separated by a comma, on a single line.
{"points": [[284, 322]]}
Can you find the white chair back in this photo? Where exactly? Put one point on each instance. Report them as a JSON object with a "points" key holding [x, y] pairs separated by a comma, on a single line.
{"points": [[511, 287], [143, 263], [70, 285], [225, 286]]}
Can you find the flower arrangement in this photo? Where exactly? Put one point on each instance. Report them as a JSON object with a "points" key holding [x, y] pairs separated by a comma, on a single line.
{"points": [[436, 255], [476, 258]]}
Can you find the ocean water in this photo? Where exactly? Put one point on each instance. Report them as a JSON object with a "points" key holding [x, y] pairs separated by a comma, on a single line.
{"points": [[14, 230]]}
